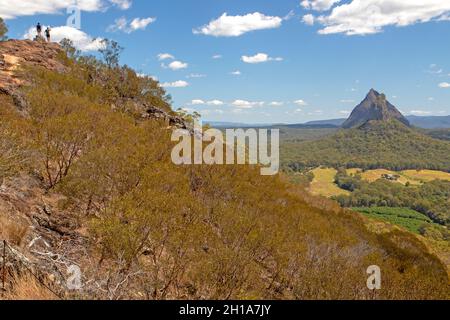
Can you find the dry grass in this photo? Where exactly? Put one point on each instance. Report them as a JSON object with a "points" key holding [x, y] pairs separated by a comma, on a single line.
{"points": [[323, 183], [11, 231], [426, 175], [26, 287], [374, 175]]}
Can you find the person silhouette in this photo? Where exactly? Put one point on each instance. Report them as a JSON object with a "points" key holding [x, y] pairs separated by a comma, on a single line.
{"points": [[47, 34], [39, 29]]}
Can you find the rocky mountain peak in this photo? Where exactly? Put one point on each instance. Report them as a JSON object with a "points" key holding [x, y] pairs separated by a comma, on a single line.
{"points": [[374, 107]]}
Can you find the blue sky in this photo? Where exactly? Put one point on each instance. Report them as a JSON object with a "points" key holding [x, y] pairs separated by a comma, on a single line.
{"points": [[297, 60]]}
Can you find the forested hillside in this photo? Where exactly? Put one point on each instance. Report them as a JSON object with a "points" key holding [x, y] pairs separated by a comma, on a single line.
{"points": [[377, 144], [86, 168]]}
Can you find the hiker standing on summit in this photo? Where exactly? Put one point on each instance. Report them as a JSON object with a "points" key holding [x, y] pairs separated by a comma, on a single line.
{"points": [[39, 29], [47, 33]]}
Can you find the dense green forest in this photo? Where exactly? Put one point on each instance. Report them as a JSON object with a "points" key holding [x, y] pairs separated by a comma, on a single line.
{"points": [[161, 231], [388, 145]]}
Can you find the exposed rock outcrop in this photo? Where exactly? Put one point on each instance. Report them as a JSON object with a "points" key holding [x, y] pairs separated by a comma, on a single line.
{"points": [[374, 107]]}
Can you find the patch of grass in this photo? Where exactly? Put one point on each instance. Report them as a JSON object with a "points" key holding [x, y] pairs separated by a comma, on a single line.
{"points": [[27, 288], [323, 183], [374, 175], [426, 175], [14, 232], [403, 217]]}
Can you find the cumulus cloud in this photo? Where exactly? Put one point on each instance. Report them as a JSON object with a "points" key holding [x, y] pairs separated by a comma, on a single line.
{"points": [[165, 56], [244, 104], [259, 58], [175, 65], [141, 23], [444, 85], [175, 84], [122, 24], [122, 4], [276, 104], [197, 102], [80, 39], [318, 5], [215, 102], [13, 9], [371, 16], [300, 102], [308, 19], [236, 73], [235, 26]]}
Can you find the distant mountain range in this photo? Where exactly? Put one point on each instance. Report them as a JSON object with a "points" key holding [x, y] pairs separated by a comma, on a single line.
{"points": [[424, 122], [373, 107]]}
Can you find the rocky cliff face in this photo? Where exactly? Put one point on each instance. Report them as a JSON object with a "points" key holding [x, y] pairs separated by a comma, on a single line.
{"points": [[374, 107], [17, 53]]}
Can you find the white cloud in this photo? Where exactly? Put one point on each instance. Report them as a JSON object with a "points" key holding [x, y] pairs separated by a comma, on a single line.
{"points": [[236, 73], [420, 112], [215, 103], [344, 112], [122, 4], [165, 56], [234, 26], [347, 101], [197, 102], [122, 24], [259, 58], [175, 65], [318, 5], [300, 102], [141, 23], [80, 39], [444, 85], [276, 104], [244, 104], [175, 84], [217, 56], [308, 19], [13, 9], [371, 16], [209, 103]]}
